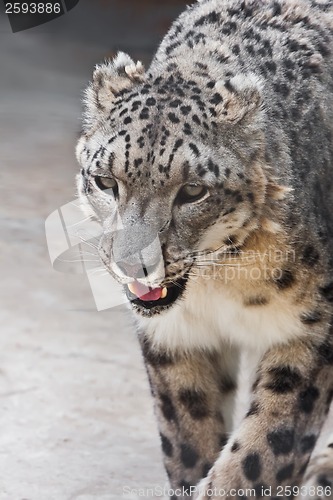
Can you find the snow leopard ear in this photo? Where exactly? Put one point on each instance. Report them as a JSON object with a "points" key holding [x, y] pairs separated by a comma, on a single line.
{"points": [[109, 79], [237, 98]]}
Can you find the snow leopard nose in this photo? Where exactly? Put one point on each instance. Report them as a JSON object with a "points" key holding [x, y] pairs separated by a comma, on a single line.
{"points": [[138, 270]]}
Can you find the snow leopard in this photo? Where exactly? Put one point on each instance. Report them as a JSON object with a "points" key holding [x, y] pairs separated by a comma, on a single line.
{"points": [[211, 175]]}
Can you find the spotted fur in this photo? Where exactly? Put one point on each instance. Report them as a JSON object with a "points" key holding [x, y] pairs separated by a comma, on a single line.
{"points": [[236, 106]]}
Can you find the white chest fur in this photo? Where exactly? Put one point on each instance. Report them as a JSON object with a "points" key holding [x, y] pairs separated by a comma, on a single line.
{"points": [[211, 313]]}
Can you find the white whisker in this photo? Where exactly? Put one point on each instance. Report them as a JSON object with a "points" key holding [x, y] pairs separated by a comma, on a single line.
{"points": [[73, 261]]}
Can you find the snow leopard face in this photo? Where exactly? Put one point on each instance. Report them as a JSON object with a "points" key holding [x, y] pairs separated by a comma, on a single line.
{"points": [[173, 168]]}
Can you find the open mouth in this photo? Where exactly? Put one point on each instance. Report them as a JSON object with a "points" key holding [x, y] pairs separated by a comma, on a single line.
{"points": [[149, 298]]}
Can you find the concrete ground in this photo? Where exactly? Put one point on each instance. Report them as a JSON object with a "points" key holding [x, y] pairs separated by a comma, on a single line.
{"points": [[76, 418]]}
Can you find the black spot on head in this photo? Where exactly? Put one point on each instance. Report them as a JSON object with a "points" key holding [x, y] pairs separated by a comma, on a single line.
{"points": [[293, 45], [123, 112], [167, 447], [145, 90], [144, 115], [171, 47], [308, 443], [289, 63], [251, 466], [201, 170], [173, 118], [323, 49], [291, 76], [194, 149], [201, 66], [307, 399], [216, 99], [228, 85], [150, 101], [178, 144], [211, 18], [271, 66], [212, 167], [281, 88], [175, 103], [136, 103], [187, 129], [195, 402], [185, 110], [111, 160], [281, 440], [285, 472], [188, 456], [283, 379], [138, 162], [196, 119]]}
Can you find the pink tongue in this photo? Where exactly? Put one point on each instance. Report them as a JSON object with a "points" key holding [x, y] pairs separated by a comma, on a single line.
{"points": [[145, 293]]}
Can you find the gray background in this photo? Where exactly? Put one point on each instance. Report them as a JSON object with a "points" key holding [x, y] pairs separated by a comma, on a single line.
{"points": [[76, 418]]}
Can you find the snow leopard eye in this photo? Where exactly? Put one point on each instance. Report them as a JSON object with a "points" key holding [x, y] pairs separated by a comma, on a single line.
{"points": [[104, 183], [191, 192]]}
